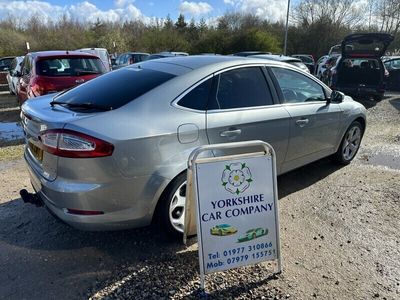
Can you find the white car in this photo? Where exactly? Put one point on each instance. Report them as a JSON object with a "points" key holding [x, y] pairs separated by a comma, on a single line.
{"points": [[12, 78], [101, 53]]}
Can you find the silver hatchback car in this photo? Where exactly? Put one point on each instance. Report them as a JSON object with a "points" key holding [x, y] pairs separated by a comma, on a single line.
{"points": [[111, 153]]}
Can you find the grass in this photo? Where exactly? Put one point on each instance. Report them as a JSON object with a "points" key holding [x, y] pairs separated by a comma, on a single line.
{"points": [[11, 152]]}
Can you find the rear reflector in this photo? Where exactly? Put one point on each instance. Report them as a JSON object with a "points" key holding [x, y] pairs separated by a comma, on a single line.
{"points": [[84, 212], [73, 144]]}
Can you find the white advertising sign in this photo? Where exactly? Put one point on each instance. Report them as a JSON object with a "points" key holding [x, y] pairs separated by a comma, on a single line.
{"points": [[237, 212]]}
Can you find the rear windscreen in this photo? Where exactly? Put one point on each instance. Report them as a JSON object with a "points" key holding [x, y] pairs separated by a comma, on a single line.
{"points": [[115, 89], [79, 66]]}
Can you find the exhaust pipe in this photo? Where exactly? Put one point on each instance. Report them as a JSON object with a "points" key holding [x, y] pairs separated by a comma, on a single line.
{"points": [[31, 198]]}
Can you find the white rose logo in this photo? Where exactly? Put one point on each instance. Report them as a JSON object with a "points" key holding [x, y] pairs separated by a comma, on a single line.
{"points": [[236, 178]]}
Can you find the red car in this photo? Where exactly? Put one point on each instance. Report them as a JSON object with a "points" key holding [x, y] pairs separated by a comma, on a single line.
{"points": [[54, 71]]}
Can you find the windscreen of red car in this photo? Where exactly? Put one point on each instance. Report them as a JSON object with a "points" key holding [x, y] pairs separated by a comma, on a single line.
{"points": [[75, 66]]}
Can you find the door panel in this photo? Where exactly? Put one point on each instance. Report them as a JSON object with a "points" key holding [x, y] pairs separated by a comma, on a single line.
{"points": [[269, 124], [314, 124], [313, 128]]}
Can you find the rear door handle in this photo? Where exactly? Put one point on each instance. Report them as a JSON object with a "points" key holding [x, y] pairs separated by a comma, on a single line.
{"points": [[302, 122], [230, 133]]}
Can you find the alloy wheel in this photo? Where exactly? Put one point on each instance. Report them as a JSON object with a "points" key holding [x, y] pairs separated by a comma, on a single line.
{"points": [[177, 208], [351, 143]]}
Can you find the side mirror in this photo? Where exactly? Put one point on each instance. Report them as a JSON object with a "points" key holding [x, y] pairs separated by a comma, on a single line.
{"points": [[336, 97]]}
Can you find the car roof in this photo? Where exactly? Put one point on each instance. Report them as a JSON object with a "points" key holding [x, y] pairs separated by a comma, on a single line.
{"points": [[60, 53], [282, 58], [203, 65], [248, 53], [99, 49], [387, 58]]}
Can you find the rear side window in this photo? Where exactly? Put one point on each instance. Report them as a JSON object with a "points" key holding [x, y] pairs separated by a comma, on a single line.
{"points": [[77, 66], [116, 88], [245, 87], [197, 98]]}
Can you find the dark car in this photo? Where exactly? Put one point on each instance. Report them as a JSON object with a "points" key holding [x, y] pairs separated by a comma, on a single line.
{"points": [[54, 71], [128, 58], [249, 53], [359, 71], [166, 54], [392, 65], [5, 65], [308, 60]]}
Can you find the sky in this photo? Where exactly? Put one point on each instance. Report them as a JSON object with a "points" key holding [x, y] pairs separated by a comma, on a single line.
{"points": [[145, 10]]}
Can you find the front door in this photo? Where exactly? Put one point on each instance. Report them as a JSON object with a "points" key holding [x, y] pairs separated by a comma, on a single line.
{"points": [[314, 125]]}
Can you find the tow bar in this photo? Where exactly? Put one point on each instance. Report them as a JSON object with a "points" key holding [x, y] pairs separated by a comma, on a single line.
{"points": [[31, 198]]}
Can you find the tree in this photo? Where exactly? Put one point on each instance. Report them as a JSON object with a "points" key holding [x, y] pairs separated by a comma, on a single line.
{"points": [[180, 23], [168, 22]]}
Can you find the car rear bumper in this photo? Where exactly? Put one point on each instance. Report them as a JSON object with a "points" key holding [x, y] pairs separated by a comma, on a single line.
{"points": [[121, 209]]}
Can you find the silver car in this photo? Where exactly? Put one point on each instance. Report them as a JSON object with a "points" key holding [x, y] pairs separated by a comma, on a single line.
{"points": [[111, 153]]}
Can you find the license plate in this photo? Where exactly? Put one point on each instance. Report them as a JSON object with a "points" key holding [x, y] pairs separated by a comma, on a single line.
{"points": [[36, 151]]}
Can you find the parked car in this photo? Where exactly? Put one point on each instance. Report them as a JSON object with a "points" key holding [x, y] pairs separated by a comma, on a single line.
{"points": [[129, 58], [325, 68], [318, 64], [101, 53], [335, 50], [359, 71], [12, 78], [249, 53], [308, 60], [166, 54], [287, 59], [112, 153], [252, 234], [392, 65], [54, 71], [5, 63]]}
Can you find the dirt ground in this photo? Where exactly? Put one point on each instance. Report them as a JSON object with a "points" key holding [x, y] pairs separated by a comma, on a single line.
{"points": [[340, 235]]}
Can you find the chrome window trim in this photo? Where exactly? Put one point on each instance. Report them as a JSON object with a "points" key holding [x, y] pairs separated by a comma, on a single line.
{"points": [[175, 104]]}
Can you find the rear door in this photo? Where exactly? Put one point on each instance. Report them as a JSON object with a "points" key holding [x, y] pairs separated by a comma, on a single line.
{"points": [[242, 107], [314, 124]]}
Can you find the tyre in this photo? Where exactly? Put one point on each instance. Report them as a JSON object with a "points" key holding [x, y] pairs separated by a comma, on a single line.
{"points": [[350, 144], [172, 207]]}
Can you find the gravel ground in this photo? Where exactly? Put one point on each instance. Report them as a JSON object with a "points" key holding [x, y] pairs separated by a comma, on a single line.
{"points": [[339, 236]]}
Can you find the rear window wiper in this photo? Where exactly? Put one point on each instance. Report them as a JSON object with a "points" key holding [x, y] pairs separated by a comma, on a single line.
{"points": [[84, 105]]}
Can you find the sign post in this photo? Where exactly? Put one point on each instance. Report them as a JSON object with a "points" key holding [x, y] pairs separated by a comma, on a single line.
{"points": [[234, 201]]}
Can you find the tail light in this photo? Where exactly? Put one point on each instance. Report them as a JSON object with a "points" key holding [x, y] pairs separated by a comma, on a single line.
{"points": [[42, 87], [73, 144]]}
